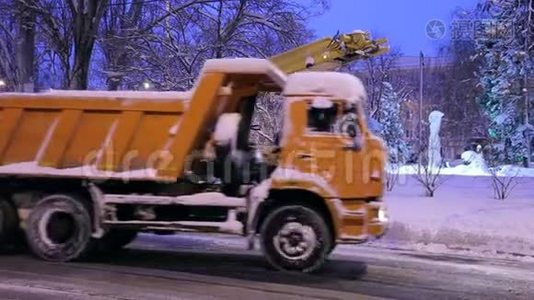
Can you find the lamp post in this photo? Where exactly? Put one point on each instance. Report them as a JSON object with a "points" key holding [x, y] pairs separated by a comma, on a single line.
{"points": [[420, 137]]}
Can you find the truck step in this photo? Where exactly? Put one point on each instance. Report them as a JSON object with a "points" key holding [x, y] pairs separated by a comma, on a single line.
{"points": [[201, 199], [230, 225]]}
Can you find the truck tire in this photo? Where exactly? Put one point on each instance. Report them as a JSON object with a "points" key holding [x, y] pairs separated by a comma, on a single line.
{"points": [[295, 238], [9, 223], [116, 239], [59, 229]]}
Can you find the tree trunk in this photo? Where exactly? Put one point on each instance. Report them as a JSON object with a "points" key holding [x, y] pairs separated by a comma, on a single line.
{"points": [[80, 75], [87, 15], [25, 50]]}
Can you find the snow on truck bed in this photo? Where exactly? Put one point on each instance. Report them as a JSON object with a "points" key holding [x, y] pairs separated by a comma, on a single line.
{"points": [[106, 95], [123, 94], [32, 169]]}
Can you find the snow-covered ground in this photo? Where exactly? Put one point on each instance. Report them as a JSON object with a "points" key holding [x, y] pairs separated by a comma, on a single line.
{"points": [[462, 215]]}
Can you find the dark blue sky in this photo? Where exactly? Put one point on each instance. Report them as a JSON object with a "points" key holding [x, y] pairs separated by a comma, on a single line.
{"points": [[402, 22]]}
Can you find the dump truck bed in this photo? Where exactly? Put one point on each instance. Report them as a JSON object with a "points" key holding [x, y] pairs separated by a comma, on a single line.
{"points": [[126, 134], [87, 134]]}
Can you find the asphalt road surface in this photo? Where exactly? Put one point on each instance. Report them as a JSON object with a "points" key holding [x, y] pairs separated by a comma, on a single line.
{"points": [[183, 267]]}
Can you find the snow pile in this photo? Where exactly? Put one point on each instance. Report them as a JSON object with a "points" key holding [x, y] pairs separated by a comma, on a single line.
{"points": [[465, 170], [475, 161], [463, 215], [472, 170], [510, 170]]}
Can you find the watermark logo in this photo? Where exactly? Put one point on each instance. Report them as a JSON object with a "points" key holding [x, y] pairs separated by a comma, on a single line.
{"points": [[435, 29], [480, 29]]}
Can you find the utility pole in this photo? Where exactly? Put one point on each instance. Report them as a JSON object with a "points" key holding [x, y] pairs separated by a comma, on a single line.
{"points": [[421, 65]]}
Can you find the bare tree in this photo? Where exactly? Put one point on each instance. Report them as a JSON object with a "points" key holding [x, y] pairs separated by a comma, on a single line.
{"points": [[430, 177], [86, 15], [392, 176], [165, 42], [74, 26], [503, 182], [503, 178], [8, 36], [119, 28], [215, 29], [269, 114], [374, 72]]}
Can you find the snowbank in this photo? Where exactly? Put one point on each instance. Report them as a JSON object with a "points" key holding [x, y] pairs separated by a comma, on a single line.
{"points": [[462, 215], [473, 170], [474, 165]]}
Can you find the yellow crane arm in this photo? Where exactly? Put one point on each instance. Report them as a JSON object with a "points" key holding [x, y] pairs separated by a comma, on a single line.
{"points": [[330, 53]]}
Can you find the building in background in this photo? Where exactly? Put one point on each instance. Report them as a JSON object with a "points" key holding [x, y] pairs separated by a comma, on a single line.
{"points": [[463, 124]]}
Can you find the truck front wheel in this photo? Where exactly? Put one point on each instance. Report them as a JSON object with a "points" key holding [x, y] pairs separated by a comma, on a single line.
{"points": [[59, 229], [295, 238]]}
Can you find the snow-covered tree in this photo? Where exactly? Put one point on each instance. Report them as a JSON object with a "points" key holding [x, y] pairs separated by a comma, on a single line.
{"points": [[500, 43], [391, 129]]}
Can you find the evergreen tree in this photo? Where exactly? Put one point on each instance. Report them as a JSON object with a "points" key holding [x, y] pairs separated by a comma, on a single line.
{"points": [[500, 44], [391, 129]]}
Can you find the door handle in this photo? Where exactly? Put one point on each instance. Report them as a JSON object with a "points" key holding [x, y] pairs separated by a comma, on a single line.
{"points": [[305, 156], [353, 147]]}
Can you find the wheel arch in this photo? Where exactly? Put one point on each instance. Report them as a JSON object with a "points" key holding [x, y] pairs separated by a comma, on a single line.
{"points": [[285, 197], [26, 193]]}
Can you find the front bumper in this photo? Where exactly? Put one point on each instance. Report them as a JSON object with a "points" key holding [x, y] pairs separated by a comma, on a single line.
{"points": [[362, 221]]}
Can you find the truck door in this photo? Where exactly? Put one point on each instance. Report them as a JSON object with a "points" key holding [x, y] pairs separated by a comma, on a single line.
{"points": [[331, 148]]}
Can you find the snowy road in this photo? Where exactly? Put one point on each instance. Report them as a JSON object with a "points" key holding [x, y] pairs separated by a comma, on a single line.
{"points": [[191, 268]]}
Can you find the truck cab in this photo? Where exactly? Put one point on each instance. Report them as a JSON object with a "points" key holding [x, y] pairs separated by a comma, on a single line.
{"points": [[329, 169]]}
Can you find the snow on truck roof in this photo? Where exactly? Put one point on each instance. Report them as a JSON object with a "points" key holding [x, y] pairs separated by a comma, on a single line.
{"points": [[333, 84]]}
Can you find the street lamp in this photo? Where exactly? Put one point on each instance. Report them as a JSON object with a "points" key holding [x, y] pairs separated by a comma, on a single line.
{"points": [[2, 83], [147, 85]]}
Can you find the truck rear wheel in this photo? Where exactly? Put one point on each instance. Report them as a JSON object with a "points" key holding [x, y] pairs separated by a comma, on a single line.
{"points": [[59, 229], [295, 238]]}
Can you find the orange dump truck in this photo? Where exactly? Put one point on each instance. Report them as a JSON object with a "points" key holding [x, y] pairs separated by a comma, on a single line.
{"points": [[86, 169]]}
